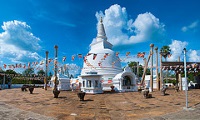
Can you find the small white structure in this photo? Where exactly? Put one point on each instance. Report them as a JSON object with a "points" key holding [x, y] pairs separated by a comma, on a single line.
{"points": [[147, 82], [91, 83], [63, 82], [75, 84], [125, 81]]}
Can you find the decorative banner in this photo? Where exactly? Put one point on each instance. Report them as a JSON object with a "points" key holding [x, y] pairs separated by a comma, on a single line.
{"points": [[102, 81], [13, 66], [20, 65], [28, 64], [87, 63], [94, 56], [55, 62], [89, 54], [100, 63], [169, 55], [42, 62], [50, 60], [24, 66], [141, 54], [127, 53], [80, 56], [106, 54], [110, 80], [117, 53], [85, 59], [64, 58], [16, 65], [77, 81], [194, 65], [188, 66], [73, 57]]}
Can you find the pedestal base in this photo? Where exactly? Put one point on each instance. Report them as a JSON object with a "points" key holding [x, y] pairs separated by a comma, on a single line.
{"points": [[56, 93]]}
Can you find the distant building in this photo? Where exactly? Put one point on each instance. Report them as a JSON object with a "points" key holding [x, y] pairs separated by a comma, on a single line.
{"points": [[147, 82]]}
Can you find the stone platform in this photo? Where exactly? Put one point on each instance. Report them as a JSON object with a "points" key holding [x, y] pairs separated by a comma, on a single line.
{"points": [[15, 104]]}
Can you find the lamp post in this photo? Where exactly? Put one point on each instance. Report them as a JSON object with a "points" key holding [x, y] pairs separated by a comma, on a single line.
{"points": [[55, 90], [45, 80], [186, 86]]}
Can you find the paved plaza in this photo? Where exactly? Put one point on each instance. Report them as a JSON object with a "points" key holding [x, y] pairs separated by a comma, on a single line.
{"points": [[18, 105]]}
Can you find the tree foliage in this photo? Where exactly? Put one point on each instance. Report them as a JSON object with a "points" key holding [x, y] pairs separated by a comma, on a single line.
{"points": [[10, 72], [41, 72], [28, 71], [165, 51], [133, 65]]}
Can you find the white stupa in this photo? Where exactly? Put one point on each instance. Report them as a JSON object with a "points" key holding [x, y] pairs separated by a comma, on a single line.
{"points": [[102, 68]]}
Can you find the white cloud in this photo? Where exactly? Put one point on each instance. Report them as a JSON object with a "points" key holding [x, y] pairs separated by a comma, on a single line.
{"points": [[194, 56], [146, 27], [73, 69], [18, 43], [122, 31], [176, 49], [190, 27]]}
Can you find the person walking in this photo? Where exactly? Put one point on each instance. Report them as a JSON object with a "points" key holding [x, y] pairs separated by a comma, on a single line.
{"points": [[9, 85]]}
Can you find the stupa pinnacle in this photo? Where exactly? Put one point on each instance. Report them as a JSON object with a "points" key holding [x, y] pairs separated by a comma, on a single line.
{"points": [[101, 35]]}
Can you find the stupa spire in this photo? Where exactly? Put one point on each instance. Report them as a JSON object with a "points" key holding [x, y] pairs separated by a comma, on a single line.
{"points": [[101, 34]]}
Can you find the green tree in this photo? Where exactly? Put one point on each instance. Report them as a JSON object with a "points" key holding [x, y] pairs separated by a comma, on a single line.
{"points": [[41, 72], [1, 76], [28, 71], [10, 72], [165, 51], [133, 65], [190, 76], [9, 75]]}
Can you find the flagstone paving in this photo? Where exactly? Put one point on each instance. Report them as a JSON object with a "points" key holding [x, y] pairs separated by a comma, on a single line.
{"points": [[116, 106]]}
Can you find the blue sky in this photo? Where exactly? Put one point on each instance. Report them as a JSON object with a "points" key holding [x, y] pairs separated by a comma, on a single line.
{"points": [[31, 27]]}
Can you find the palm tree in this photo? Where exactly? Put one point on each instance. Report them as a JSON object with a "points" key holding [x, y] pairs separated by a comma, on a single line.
{"points": [[165, 51]]}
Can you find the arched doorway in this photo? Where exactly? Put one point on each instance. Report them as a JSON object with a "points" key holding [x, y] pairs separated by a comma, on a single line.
{"points": [[127, 82]]}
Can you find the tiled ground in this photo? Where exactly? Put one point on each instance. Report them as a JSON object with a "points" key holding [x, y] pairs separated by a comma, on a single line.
{"points": [[115, 106]]}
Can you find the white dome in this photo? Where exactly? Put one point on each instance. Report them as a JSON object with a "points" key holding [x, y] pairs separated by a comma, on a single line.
{"points": [[105, 62]]}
